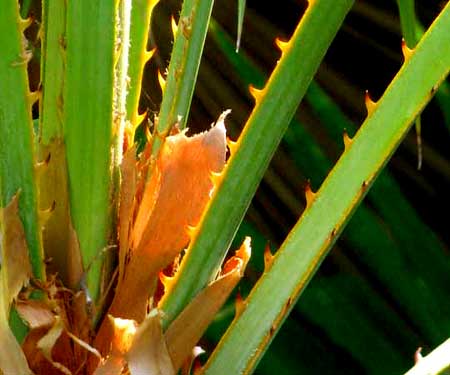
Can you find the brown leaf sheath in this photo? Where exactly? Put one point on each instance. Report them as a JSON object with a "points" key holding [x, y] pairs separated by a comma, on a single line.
{"points": [[14, 274], [16, 263], [174, 198], [183, 170]]}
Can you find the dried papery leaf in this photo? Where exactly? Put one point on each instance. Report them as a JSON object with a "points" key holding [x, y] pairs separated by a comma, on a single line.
{"points": [[189, 326], [14, 274], [16, 267], [48, 341], [182, 171], [12, 358], [148, 354], [124, 331], [36, 360], [53, 349], [36, 314]]}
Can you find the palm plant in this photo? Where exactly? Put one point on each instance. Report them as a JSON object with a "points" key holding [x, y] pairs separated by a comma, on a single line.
{"points": [[115, 223]]}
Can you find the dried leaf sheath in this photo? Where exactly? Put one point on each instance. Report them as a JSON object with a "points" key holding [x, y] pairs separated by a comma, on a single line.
{"points": [[182, 172], [14, 274], [173, 200], [16, 267]]}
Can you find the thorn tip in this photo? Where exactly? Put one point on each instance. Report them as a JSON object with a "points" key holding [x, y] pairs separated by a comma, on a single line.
{"points": [[256, 93], [268, 257], [407, 52], [149, 54], [33, 97], [370, 104], [174, 26], [44, 215], [347, 139], [309, 194], [161, 80], [232, 146], [24, 23], [281, 44]]}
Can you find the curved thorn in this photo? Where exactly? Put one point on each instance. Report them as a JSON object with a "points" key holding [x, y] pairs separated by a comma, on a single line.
{"points": [[268, 257], [139, 118], [407, 52], [24, 23], [41, 166], [232, 145], [44, 215], [347, 139], [33, 97], [309, 194], [161, 80], [370, 104], [256, 93], [174, 26], [148, 135], [166, 281], [149, 54], [281, 44]]}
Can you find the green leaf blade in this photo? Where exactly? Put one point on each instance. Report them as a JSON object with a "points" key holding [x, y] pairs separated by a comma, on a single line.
{"points": [[88, 126]]}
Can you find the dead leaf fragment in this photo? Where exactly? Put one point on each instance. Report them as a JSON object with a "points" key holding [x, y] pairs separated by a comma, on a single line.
{"points": [[36, 313], [48, 341], [16, 267], [14, 274], [189, 326], [148, 354]]}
